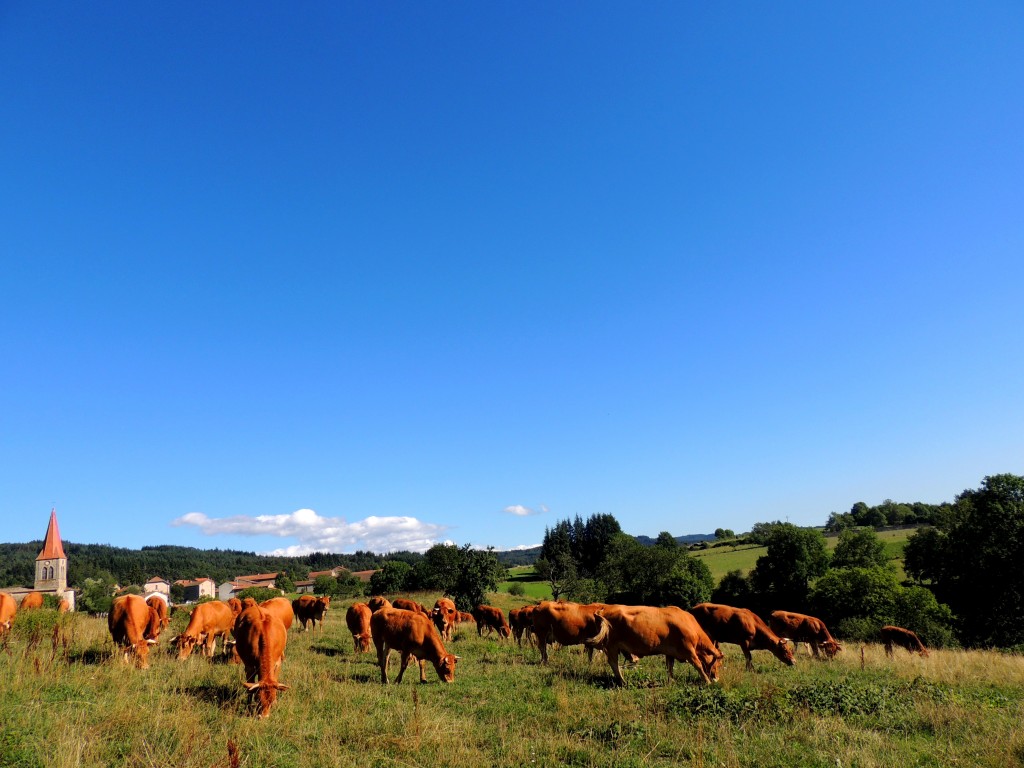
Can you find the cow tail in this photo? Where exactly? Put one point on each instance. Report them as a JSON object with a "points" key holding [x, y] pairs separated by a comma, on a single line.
{"points": [[603, 630]]}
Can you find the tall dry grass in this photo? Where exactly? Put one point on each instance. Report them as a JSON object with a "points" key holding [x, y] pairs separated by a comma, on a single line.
{"points": [[86, 707]]}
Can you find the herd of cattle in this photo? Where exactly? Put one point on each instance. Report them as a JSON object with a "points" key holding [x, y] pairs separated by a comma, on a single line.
{"points": [[255, 634]]}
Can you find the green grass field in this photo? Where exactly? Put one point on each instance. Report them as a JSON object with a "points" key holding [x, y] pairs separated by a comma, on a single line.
{"points": [[721, 560], [79, 705]]}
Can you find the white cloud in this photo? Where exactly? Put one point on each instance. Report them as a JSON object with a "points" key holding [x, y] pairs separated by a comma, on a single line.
{"points": [[520, 511], [323, 534]]}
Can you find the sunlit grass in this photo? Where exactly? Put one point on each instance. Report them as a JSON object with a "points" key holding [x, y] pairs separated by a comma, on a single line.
{"points": [[505, 709]]}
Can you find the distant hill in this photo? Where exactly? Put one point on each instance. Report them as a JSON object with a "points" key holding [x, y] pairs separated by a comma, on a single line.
{"points": [[690, 538]]}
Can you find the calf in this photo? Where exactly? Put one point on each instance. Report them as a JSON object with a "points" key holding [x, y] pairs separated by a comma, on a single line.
{"points": [[904, 638], [411, 634], [491, 618], [445, 616], [260, 639], [726, 624], [640, 630], [207, 622], [521, 622], [805, 629], [358, 621], [128, 619]]}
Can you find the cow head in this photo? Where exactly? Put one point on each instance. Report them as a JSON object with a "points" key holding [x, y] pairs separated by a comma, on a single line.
{"points": [[504, 631], [265, 693], [831, 648], [185, 644], [377, 602], [446, 667], [324, 601], [364, 642], [783, 652]]}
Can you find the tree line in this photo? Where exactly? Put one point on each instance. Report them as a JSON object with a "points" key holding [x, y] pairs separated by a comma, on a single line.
{"points": [[964, 586]]}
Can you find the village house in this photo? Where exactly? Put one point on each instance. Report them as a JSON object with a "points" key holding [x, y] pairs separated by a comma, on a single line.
{"points": [[197, 588], [157, 585], [230, 589]]}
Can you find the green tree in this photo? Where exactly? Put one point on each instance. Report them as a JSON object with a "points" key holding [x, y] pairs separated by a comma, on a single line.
{"points": [[974, 558], [559, 572], [284, 582], [325, 585], [477, 574], [724, 533], [658, 575], [859, 548], [259, 594], [390, 578], [782, 576], [734, 589]]}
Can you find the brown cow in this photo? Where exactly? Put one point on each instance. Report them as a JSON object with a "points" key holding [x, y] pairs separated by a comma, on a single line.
{"points": [[358, 621], [63, 606], [158, 620], [280, 607], [465, 618], [208, 622], [805, 629], [310, 610], [411, 634], [641, 630], [405, 604], [565, 624], [235, 605], [31, 600], [491, 618], [725, 624], [904, 638], [8, 608], [260, 638], [127, 621], [521, 622], [444, 617], [377, 602]]}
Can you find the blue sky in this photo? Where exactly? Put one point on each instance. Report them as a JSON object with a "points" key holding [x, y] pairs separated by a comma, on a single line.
{"points": [[379, 275]]}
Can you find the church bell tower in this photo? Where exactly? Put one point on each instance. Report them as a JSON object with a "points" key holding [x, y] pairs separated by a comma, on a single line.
{"points": [[52, 563]]}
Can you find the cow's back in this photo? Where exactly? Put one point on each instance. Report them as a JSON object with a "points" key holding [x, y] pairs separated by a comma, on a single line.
{"points": [[211, 616], [281, 607]]}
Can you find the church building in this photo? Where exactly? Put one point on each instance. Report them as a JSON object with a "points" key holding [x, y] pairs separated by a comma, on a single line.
{"points": [[51, 568]]}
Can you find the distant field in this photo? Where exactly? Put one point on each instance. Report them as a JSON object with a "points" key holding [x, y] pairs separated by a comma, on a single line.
{"points": [[527, 577], [721, 560]]}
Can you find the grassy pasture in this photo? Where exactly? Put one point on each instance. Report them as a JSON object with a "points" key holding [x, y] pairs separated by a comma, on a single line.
{"points": [[721, 560], [82, 706]]}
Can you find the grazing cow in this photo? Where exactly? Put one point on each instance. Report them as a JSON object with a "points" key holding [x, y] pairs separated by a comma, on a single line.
{"points": [[411, 634], [725, 624], [260, 638], [358, 620], [465, 618], [641, 630], [521, 622], [491, 618], [8, 607], [444, 617], [309, 609], [235, 605], [31, 600], [158, 618], [208, 622], [805, 629], [565, 624], [63, 606], [405, 604], [280, 607], [904, 638], [128, 619], [377, 602]]}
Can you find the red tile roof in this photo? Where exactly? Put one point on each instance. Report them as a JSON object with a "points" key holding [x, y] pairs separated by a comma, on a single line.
{"points": [[52, 548]]}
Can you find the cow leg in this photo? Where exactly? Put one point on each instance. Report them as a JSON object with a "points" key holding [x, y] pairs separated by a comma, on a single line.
{"points": [[542, 646], [670, 664], [423, 670], [888, 649], [612, 654], [405, 663], [815, 650], [383, 652], [750, 659]]}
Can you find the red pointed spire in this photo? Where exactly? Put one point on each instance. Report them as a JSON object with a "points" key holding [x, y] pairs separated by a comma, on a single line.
{"points": [[52, 548]]}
